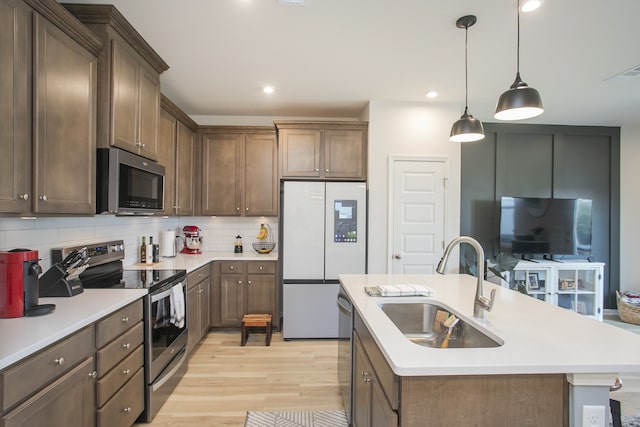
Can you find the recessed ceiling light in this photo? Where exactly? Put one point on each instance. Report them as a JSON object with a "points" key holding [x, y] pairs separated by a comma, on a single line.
{"points": [[530, 5], [268, 89], [431, 94]]}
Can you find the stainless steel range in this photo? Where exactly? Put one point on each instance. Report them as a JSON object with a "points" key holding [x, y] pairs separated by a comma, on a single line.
{"points": [[165, 326]]}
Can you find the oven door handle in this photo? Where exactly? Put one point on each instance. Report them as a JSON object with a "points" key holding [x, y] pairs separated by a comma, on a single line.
{"points": [[168, 375], [161, 295]]}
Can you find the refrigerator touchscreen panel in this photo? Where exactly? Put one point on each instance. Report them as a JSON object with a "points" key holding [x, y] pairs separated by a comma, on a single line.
{"points": [[345, 224]]}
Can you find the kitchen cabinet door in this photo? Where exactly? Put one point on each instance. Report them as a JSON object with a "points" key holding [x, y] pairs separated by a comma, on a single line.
{"points": [[361, 410], [125, 93], [232, 296], [221, 173], [193, 318], [185, 170], [15, 143], [260, 175], [64, 147], [69, 401], [300, 152], [167, 158], [205, 307], [149, 113], [261, 293], [344, 153]]}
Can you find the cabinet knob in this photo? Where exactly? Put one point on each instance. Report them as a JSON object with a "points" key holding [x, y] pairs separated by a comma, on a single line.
{"points": [[317, 170], [200, 291], [248, 282], [125, 320], [260, 268], [127, 409], [126, 346], [93, 374], [126, 372], [326, 170], [246, 209], [238, 209], [231, 267], [43, 197], [239, 282], [24, 196], [59, 361]]}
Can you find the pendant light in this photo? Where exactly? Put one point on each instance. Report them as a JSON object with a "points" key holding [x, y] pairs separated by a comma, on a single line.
{"points": [[520, 101], [467, 128]]}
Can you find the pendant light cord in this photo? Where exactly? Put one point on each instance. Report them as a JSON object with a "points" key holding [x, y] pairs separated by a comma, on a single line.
{"points": [[518, 46], [466, 72]]}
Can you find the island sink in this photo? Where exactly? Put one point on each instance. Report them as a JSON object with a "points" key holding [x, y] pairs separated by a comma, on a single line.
{"points": [[423, 324]]}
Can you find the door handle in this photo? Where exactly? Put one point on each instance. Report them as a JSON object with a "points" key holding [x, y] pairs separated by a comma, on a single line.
{"points": [[397, 256]]}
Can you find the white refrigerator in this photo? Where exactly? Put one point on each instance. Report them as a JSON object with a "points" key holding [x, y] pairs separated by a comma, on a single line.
{"points": [[323, 235]]}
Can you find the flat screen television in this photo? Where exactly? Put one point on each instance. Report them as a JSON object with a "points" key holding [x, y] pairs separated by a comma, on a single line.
{"points": [[543, 226]]}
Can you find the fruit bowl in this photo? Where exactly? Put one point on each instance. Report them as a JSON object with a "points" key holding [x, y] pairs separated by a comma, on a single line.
{"points": [[263, 247]]}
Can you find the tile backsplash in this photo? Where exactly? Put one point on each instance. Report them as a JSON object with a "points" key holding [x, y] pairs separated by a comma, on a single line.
{"points": [[43, 234]]}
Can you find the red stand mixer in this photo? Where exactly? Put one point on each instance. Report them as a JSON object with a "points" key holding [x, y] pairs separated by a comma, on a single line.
{"points": [[192, 240]]}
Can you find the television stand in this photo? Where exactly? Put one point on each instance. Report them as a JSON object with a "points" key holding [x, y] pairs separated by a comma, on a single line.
{"points": [[575, 285]]}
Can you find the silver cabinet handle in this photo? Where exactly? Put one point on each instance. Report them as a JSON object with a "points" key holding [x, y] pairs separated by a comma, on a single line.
{"points": [[126, 346], [127, 409], [125, 320], [24, 196], [59, 361], [126, 372], [43, 197], [93, 374]]}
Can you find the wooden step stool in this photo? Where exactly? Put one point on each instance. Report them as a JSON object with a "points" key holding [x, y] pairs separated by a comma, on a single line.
{"points": [[255, 321]]}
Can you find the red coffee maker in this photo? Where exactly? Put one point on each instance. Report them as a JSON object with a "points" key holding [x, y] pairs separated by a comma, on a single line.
{"points": [[19, 271]]}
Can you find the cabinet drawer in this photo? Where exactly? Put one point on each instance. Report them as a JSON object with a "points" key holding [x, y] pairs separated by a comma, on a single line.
{"points": [[28, 376], [115, 324], [113, 353], [118, 376], [261, 267], [227, 267], [198, 276], [126, 405]]}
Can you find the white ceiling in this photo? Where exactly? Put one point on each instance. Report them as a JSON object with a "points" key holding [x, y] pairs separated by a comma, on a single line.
{"points": [[328, 59]]}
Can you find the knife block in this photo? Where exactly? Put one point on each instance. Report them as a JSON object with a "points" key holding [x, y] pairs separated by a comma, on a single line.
{"points": [[53, 283]]}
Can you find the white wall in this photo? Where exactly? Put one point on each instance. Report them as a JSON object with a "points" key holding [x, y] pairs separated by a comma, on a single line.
{"points": [[629, 206], [408, 129]]}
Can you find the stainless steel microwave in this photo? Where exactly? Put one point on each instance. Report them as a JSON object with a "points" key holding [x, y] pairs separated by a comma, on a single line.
{"points": [[128, 184]]}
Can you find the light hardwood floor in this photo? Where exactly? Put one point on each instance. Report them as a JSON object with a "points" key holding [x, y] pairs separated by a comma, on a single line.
{"points": [[225, 380]]}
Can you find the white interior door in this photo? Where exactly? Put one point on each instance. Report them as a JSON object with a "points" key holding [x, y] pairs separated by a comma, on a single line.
{"points": [[417, 215]]}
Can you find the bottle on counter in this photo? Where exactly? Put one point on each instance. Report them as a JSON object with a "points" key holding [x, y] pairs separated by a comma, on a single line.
{"points": [[155, 250], [238, 247], [143, 250], [149, 250]]}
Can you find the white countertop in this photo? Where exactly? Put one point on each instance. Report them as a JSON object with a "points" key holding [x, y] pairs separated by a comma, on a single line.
{"points": [[23, 336], [538, 337], [192, 262]]}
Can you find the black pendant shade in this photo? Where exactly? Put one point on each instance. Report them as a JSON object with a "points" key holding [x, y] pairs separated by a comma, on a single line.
{"points": [[520, 101], [467, 128]]}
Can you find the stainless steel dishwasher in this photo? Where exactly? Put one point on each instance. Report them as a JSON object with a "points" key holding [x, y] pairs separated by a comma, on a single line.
{"points": [[345, 349]]}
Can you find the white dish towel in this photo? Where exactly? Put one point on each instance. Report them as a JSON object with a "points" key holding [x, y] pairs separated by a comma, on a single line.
{"points": [[177, 305], [405, 290]]}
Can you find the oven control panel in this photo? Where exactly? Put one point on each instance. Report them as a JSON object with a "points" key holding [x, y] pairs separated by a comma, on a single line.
{"points": [[99, 253]]}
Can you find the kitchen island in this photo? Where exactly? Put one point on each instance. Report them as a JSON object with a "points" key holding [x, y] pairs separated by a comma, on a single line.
{"points": [[548, 349]]}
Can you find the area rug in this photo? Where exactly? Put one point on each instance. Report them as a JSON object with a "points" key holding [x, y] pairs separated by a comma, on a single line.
{"points": [[631, 421], [296, 419]]}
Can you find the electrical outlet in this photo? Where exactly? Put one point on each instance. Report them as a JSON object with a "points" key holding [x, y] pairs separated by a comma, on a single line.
{"points": [[593, 416]]}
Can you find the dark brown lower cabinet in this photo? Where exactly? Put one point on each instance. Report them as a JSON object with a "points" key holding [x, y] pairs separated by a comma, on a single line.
{"points": [[68, 401]]}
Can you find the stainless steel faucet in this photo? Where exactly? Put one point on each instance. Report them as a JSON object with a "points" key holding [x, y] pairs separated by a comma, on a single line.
{"points": [[481, 304]]}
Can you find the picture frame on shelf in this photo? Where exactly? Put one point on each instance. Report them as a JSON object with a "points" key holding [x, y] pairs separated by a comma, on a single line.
{"points": [[532, 281]]}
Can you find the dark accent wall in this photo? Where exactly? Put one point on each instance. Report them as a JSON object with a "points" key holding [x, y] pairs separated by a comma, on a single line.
{"points": [[523, 160]]}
